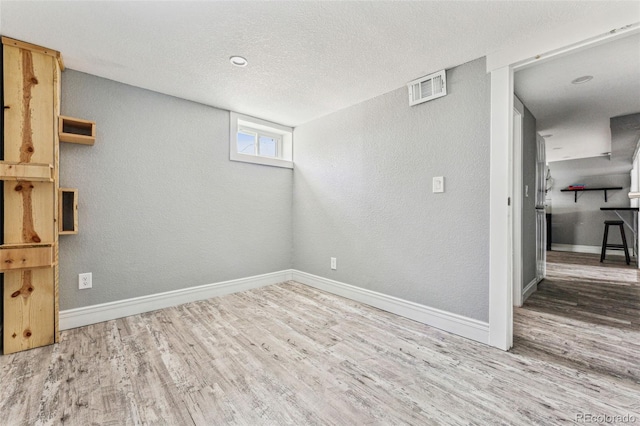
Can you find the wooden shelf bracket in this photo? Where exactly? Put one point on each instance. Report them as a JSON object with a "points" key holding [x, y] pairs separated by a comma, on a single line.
{"points": [[76, 130], [576, 190], [67, 211]]}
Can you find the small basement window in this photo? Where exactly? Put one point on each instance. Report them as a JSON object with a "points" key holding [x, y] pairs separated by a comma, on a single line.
{"points": [[253, 140]]}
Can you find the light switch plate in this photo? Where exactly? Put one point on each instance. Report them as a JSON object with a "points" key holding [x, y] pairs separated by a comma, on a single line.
{"points": [[438, 184]]}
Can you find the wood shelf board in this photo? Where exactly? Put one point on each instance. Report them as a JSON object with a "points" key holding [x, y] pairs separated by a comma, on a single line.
{"points": [[76, 121], [12, 258], [77, 139], [86, 128], [24, 245], [590, 189], [576, 190], [39, 172], [7, 41]]}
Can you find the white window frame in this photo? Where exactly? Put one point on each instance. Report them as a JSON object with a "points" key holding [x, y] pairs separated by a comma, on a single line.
{"points": [[257, 134], [258, 127]]}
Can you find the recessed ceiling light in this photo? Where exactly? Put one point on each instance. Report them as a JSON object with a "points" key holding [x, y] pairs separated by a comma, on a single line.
{"points": [[548, 135], [582, 79], [238, 61], [557, 147]]}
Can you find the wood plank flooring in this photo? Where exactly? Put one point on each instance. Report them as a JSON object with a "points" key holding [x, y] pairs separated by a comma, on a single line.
{"points": [[290, 354], [593, 309]]}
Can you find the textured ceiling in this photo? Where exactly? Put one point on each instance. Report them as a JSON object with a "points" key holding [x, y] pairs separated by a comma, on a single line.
{"points": [[578, 115], [306, 59]]}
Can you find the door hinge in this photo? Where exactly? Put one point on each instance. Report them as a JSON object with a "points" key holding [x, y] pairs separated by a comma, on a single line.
{"points": [[508, 201]]}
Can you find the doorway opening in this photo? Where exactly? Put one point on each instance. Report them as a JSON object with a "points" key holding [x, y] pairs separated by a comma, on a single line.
{"points": [[503, 231]]}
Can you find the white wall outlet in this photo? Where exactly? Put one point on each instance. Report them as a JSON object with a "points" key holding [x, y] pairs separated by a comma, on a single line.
{"points": [[438, 184], [85, 281], [334, 263]]}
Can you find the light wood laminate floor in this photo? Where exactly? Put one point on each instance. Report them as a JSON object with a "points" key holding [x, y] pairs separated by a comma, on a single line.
{"points": [[289, 354]]}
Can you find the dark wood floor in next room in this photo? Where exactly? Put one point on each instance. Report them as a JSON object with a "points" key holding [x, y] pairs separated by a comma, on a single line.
{"points": [[585, 313], [290, 354]]}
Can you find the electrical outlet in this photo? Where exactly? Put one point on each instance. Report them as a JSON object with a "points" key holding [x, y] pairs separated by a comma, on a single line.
{"points": [[438, 184], [334, 263], [85, 281]]}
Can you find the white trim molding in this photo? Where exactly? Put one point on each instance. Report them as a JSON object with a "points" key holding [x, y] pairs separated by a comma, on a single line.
{"points": [[93, 314], [447, 321], [568, 38], [501, 209], [529, 289], [576, 248], [516, 190]]}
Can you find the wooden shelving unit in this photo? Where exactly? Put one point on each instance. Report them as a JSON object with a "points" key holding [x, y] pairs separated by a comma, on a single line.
{"points": [[576, 190], [34, 210], [76, 130], [68, 211], [29, 171]]}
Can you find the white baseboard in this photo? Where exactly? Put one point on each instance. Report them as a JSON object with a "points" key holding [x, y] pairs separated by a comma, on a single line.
{"points": [[452, 323], [576, 248], [585, 249], [529, 289], [79, 317]]}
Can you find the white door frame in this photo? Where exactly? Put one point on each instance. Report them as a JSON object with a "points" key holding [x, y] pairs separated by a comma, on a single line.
{"points": [[635, 186], [516, 190], [501, 65]]}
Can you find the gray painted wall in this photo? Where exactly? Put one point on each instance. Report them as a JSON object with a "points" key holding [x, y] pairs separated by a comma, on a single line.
{"points": [[529, 151], [362, 193], [582, 223], [161, 207]]}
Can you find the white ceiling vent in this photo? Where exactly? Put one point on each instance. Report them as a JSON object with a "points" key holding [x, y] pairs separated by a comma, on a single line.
{"points": [[427, 88]]}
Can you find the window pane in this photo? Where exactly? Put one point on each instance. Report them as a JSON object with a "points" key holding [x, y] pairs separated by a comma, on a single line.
{"points": [[246, 143], [268, 146]]}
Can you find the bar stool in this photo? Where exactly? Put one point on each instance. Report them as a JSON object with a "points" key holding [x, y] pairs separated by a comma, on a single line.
{"points": [[622, 246]]}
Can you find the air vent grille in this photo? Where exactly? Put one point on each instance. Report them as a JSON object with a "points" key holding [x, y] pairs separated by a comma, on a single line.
{"points": [[426, 88]]}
